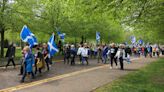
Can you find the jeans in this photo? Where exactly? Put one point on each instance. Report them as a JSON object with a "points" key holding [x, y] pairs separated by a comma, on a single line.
{"points": [[112, 58], [25, 74], [121, 63], [10, 60], [85, 59]]}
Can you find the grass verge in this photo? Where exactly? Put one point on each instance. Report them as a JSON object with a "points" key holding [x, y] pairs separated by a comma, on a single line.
{"points": [[148, 79]]}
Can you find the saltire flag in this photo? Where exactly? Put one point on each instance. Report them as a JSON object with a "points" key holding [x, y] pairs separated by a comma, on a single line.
{"points": [[140, 41], [98, 36], [133, 39], [61, 35], [52, 47], [27, 36]]}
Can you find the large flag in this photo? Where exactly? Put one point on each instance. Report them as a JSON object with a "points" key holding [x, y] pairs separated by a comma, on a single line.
{"points": [[27, 36], [52, 47], [133, 39], [97, 36]]}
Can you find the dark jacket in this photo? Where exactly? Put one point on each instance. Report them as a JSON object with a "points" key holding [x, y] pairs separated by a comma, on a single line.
{"points": [[10, 51], [105, 50], [73, 53], [127, 51], [68, 52], [113, 51]]}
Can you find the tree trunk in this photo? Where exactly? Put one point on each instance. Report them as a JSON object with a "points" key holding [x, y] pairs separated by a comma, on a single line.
{"points": [[2, 42]]}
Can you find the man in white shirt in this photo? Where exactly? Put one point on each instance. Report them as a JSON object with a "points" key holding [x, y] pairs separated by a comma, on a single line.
{"points": [[84, 54], [79, 52]]}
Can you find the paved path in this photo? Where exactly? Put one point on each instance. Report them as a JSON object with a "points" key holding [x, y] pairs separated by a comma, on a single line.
{"points": [[66, 78]]}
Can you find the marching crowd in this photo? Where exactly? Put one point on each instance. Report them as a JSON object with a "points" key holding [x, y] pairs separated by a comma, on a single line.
{"points": [[108, 53], [40, 59]]}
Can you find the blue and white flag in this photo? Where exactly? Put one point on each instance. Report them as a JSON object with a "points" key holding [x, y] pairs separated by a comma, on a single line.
{"points": [[61, 35], [52, 47], [133, 39], [140, 41], [98, 36], [27, 36]]}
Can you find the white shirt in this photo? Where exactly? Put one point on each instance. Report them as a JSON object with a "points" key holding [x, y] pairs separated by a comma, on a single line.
{"points": [[79, 50], [84, 52], [120, 53], [26, 55]]}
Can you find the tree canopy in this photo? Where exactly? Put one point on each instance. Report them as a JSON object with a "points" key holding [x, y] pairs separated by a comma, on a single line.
{"points": [[116, 20]]}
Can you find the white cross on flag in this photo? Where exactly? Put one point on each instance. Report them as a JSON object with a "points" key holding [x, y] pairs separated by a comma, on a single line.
{"points": [[27, 36], [52, 46]]}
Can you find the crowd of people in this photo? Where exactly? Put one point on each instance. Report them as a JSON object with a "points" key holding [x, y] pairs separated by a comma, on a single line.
{"points": [[34, 61], [108, 53]]}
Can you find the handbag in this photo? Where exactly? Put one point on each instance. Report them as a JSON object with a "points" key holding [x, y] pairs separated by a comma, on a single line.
{"points": [[39, 63]]}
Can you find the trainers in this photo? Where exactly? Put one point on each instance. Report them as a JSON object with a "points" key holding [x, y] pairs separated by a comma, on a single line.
{"points": [[111, 67]]}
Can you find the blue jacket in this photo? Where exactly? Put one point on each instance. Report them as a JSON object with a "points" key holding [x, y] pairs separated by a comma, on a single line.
{"points": [[73, 52], [29, 61], [105, 50]]}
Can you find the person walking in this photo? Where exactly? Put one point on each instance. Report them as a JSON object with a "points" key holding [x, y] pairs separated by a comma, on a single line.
{"points": [[84, 53], [121, 55], [154, 50], [128, 52], [95, 52], [149, 48], [10, 55], [28, 63], [99, 53], [79, 52], [104, 53], [22, 63], [158, 50], [67, 54], [39, 61], [145, 51], [113, 51], [45, 53], [72, 54]]}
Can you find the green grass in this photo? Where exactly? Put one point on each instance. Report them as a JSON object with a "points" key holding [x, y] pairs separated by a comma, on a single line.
{"points": [[148, 79]]}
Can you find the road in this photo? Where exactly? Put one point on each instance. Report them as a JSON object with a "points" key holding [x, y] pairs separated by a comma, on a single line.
{"points": [[66, 78]]}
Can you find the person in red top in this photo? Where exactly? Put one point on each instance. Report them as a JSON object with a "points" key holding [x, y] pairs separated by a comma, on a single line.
{"points": [[142, 50]]}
